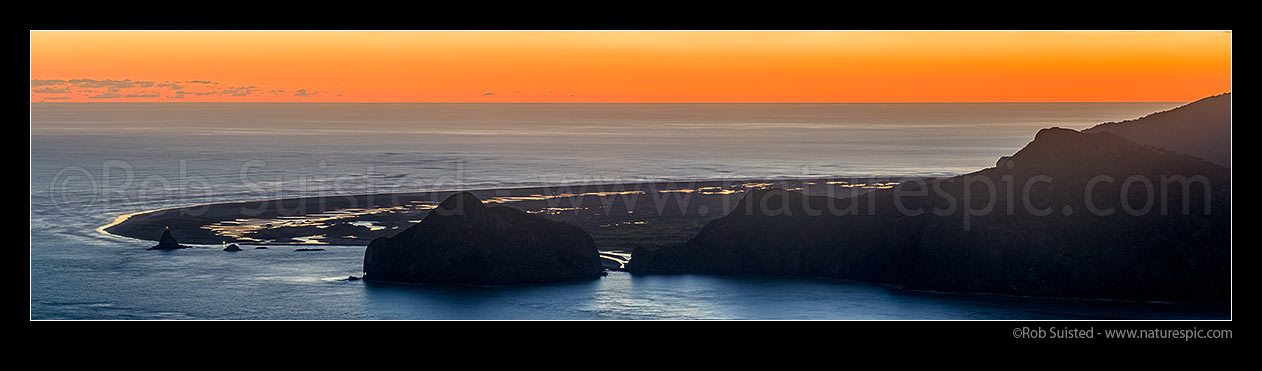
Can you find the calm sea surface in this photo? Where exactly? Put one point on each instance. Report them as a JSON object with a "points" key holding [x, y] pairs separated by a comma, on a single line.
{"points": [[93, 162]]}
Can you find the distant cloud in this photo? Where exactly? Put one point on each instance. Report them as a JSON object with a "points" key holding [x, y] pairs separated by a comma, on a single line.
{"points": [[107, 83], [238, 91], [52, 91], [56, 98], [150, 94], [181, 92], [129, 88], [47, 82], [488, 93]]}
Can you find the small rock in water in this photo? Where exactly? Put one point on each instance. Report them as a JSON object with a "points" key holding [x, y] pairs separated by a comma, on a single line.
{"points": [[309, 249], [260, 247], [352, 278], [232, 247], [167, 242]]}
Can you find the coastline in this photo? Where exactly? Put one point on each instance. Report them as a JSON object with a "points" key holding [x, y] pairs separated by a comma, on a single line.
{"points": [[697, 200]]}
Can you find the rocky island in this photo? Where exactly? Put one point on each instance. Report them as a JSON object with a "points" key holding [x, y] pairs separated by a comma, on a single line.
{"points": [[167, 242], [463, 241]]}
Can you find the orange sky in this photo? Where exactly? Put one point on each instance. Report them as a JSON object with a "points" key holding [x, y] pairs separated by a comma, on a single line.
{"points": [[628, 66]]}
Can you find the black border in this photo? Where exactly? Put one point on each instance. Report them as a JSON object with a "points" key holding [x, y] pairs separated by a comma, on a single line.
{"points": [[617, 334], [628, 16]]}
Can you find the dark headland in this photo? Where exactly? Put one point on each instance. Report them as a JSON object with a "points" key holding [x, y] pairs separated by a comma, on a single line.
{"points": [[1201, 128], [1082, 215]]}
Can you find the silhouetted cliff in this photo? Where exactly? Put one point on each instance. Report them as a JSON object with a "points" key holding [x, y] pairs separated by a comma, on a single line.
{"points": [[1051, 220], [464, 241], [1201, 128]]}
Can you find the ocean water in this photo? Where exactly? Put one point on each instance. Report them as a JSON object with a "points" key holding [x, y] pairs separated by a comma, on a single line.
{"points": [[91, 163]]}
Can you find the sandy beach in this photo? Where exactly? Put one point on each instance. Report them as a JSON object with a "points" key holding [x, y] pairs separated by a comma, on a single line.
{"points": [[620, 217]]}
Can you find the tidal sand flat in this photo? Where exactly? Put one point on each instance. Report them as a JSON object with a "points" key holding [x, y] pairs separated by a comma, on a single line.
{"points": [[620, 217]]}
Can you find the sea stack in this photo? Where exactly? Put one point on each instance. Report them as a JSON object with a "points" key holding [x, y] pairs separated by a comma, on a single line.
{"points": [[167, 242], [463, 241]]}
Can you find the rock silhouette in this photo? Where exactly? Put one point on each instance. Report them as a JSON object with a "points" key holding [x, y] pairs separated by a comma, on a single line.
{"points": [[167, 242], [1201, 128], [232, 247], [463, 241], [1039, 237]]}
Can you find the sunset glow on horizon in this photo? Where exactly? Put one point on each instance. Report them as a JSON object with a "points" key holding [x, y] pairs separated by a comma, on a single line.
{"points": [[629, 66]]}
